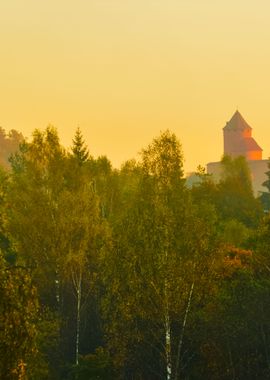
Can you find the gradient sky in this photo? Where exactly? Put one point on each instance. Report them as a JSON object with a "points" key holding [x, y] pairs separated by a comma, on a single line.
{"points": [[124, 70]]}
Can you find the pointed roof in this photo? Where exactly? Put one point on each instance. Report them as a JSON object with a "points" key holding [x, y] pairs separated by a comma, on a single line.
{"points": [[237, 122], [249, 144]]}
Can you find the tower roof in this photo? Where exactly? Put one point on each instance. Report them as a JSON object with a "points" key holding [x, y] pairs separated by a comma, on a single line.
{"points": [[237, 122], [249, 144]]}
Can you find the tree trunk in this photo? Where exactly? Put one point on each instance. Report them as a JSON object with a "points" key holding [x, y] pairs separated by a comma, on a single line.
{"points": [[78, 319], [182, 333], [168, 343], [57, 287], [168, 346]]}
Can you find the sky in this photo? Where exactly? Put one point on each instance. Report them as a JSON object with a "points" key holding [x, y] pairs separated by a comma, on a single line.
{"points": [[124, 70]]}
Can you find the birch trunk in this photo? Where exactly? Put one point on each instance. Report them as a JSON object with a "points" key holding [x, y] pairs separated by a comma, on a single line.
{"points": [[168, 343], [57, 287], [182, 333], [78, 319], [168, 346]]}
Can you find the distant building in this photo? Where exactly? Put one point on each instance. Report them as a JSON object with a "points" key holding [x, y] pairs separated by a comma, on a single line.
{"points": [[238, 141]]}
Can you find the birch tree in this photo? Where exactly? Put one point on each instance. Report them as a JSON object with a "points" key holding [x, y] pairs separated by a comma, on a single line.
{"points": [[55, 221], [161, 246]]}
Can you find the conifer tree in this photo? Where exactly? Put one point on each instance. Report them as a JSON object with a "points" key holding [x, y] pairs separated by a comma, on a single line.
{"points": [[79, 149]]}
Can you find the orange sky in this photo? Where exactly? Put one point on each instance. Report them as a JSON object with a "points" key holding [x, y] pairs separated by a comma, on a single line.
{"points": [[125, 69]]}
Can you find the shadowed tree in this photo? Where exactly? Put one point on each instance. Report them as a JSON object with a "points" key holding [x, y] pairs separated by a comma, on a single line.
{"points": [[235, 194], [265, 195], [18, 314]]}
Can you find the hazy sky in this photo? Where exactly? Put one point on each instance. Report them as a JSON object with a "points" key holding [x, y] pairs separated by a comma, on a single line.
{"points": [[123, 70]]}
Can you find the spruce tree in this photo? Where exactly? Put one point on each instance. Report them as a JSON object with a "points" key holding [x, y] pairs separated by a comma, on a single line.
{"points": [[79, 149]]}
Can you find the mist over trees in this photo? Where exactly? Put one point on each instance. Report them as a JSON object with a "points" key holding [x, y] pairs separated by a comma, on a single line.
{"points": [[9, 144], [129, 273]]}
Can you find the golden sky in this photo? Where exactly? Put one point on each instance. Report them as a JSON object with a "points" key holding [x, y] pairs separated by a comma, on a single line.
{"points": [[123, 70]]}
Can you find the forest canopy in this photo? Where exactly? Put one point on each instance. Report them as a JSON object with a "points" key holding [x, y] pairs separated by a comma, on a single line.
{"points": [[129, 273]]}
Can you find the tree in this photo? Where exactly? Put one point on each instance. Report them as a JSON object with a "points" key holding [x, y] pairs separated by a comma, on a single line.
{"points": [[79, 149], [18, 314], [36, 185], [265, 195], [83, 227], [55, 222], [9, 144], [235, 194], [161, 253], [232, 339]]}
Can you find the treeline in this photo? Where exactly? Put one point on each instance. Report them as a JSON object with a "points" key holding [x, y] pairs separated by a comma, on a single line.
{"points": [[9, 144], [130, 274]]}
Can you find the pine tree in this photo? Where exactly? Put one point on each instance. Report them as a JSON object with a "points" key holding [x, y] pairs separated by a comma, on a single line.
{"points": [[79, 149]]}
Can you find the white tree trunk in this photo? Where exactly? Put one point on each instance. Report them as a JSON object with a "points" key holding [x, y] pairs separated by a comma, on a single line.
{"points": [[57, 286], [168, 346], [182, 332], [78, 319]]}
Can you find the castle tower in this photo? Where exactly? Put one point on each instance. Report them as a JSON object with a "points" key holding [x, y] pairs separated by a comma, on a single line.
{"points": [[238, 140]]}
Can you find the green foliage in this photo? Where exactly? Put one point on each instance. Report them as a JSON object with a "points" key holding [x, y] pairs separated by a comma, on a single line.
{"points": [[237, 347], [18, 313], [237, 173], [48, 359], [163, 244], [56, 226], [137, 274], [104, 183], [234, 233], [235, 194], [265, 195], [95, 366], [163, 159], [232, 196]]}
